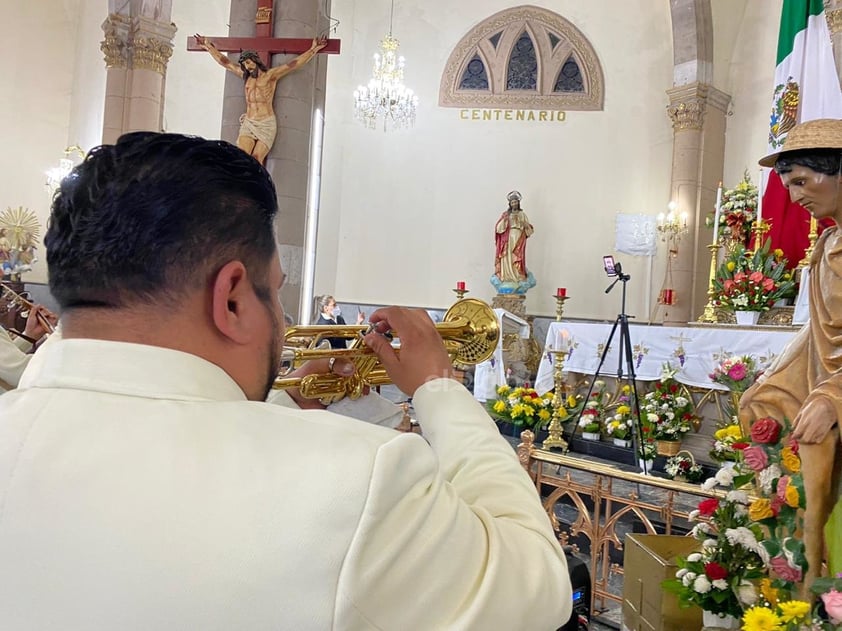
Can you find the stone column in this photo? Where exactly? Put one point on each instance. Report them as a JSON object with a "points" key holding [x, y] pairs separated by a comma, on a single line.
{"points": [[833, 13], [697, 112], [296, 98], [137, 48]]}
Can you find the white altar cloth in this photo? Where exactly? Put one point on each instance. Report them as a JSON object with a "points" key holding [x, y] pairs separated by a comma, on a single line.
{"points": [[491, 373], [695, 351]]}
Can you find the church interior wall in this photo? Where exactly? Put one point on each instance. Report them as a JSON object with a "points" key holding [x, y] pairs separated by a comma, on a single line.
{"points": [[406, 214]]}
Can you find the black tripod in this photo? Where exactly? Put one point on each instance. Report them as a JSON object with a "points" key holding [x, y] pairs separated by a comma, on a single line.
{"points": [[625, 353]]}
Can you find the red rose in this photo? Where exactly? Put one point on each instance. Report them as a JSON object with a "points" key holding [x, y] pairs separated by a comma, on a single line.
{"points": [[708, 506], [766, 431], [740, 446], [714, 571], [673, 387], [792, 444]]}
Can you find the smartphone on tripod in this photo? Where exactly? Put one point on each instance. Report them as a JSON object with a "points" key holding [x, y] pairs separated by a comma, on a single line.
{"points": [[609, 265]]}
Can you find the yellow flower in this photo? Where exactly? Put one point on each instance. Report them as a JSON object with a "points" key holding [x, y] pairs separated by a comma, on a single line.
{"points": [[731, 431], [730, 265], [778, 253], [760, 508], [769, 592], [794, 610], [562, 414], [517, 410], [500, 407], [623, 409], [528, 410], [626, 389], [787, 276], [791, 496], [790, 460], [544, 414], [503, 390], [571, 401], [761, 619]]}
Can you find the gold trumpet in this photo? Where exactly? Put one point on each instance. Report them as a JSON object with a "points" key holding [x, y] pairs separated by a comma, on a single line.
{"points": [[469, 331], [14, 299]]}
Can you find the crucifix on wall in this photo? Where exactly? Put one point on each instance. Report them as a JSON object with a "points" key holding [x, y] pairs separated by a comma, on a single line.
{"points": [[258, 125]]}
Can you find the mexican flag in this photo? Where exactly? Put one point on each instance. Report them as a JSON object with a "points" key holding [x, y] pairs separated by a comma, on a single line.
{"points": [[806, 87]]}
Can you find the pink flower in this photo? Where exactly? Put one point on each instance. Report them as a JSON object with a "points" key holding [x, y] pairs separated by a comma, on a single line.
{"points": [[737, 371], [755, 277], [784, 570], [833, 605], [755, 458], [783, 481], [768, 284]]}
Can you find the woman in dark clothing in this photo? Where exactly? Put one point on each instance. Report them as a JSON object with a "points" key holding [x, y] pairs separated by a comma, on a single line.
{"points": [[330, 314]]}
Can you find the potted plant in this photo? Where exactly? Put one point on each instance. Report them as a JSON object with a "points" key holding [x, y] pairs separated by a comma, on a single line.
{"points": [[523, 407], [590, 420], [669, 411], [682, 467], [749, 283], [646, 453], [620, 425]]}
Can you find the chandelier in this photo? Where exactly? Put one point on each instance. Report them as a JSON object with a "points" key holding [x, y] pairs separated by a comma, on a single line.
{"points": [[386, 96], [65, 165]]}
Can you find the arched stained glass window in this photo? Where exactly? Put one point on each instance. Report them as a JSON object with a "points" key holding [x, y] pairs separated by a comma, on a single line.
{"points": [[474, 77], [523, 65], [569, 78], [524, 57]]}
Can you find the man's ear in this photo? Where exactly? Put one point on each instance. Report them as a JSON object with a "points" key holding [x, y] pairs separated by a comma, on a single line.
{"points": [[232, 301]]}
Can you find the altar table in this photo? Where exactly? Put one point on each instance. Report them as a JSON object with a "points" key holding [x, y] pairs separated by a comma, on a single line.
{"points": [[693, 350]]}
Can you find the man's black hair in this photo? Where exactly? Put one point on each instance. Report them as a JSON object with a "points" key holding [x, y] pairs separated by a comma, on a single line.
{"points": [[827, 161], [156, 214], [250, 54]]}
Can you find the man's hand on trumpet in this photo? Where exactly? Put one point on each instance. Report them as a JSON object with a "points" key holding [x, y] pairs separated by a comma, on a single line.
{"points": [[337, 366], [422, 356], [39, 322]]}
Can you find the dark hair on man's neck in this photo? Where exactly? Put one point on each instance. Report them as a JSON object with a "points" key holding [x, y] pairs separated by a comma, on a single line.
{"points": [[155, 215], [827, 161]]}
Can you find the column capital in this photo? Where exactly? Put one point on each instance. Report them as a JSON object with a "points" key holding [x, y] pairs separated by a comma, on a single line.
{"points": [[688, 105], [115, 45], [151, 44], [834, 20]]}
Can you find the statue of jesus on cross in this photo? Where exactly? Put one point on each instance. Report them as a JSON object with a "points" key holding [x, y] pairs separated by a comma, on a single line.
{"points": [[258, 125]]}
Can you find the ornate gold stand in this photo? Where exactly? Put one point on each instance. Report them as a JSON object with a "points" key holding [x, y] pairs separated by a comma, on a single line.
{"points": [[555, 430], [460, 293], [814, 235], [559, 306], [759, 228], [709, 314]]}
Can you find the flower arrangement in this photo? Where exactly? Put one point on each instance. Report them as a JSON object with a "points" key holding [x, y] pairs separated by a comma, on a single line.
{"points": [[647, 450], [728, 442], [620, 425], [738, 211], [522, 407], [666, 408], [590, 420], [681, 466], [719, 577], [737, 373], [749, 281], [798, 615]]}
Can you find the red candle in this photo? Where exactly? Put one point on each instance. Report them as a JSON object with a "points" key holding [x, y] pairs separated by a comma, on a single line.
{"points": [[561, 292], [460, 285], [668, 297]]}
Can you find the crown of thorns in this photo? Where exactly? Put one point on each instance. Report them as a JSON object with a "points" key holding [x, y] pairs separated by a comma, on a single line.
{"points": [[249, 54]]}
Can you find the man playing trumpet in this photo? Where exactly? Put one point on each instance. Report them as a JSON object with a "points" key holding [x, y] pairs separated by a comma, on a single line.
{"points": [[15, 349], [146, 484]]}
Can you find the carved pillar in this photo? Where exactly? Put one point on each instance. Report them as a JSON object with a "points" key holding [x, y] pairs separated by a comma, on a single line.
{"points": [[697, 112], [833, 13], [137, 48]]}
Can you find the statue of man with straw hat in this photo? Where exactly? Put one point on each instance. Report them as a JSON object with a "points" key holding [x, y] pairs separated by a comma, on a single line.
{"points": [[805, 382]]}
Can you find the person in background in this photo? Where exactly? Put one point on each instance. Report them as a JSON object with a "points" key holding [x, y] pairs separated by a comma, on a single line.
{"points": [[146, 485], [330, 314], [16, 350]]}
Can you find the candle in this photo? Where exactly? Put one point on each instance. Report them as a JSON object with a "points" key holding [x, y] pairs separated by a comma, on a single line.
{"points": [[716, 214], [460, 285], [561, 292], [760, 199], [562, 340]]}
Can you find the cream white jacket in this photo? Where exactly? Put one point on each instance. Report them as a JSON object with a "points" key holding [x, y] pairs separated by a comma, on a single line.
{"points": [[140, 490], [13, 359]]}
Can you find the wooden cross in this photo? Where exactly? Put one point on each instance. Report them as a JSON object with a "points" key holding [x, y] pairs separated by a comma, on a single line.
{"points": [[263, 43]]}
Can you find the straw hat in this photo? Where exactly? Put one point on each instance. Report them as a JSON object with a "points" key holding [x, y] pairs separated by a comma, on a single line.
{"points": [[822, 133]]}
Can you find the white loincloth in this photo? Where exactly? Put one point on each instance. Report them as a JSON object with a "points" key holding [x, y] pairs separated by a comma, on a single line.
{"points": [[263, 130]]}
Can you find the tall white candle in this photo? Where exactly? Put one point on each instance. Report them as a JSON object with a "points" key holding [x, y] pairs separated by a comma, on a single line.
{"points": [[760, 198], [717, 213]]}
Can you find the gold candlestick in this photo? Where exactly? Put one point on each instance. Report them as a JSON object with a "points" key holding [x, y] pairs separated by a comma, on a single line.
{"points": [[559, 306], [814, 235], [555, 430], [759, 228], [460, 293], [709, 314]]}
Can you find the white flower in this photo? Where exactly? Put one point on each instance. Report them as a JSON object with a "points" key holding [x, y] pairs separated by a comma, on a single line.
{"points": [[680, 402], [709, 544], [693, 516], [740, 510], [708, 484], [652, 418], [740, 497], [767, 476], [746, 593], [702, 528], [681, 572], [687, 579], [720, 583], [724, 476], [701, 584], [695, 557]]}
